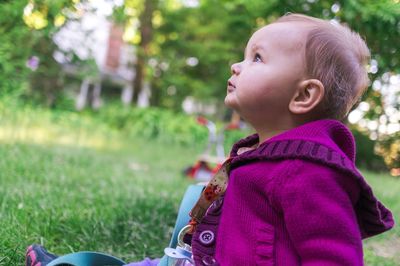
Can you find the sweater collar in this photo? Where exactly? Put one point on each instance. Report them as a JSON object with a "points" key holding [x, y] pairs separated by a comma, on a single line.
{"points": [[330, 133]]}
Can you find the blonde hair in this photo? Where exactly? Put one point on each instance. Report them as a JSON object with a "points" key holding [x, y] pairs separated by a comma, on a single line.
{"points": [[336, 56]]}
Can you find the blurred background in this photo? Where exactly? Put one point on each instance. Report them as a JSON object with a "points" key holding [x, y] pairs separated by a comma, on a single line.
{"points": [[176, 54], [98, 105]]}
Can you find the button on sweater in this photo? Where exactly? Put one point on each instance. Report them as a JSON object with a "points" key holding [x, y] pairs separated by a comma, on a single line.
{"points": [[296, 199]]}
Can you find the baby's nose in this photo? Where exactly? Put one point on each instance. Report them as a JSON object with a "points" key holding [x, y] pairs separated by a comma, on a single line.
{"points": [[235, 68]]}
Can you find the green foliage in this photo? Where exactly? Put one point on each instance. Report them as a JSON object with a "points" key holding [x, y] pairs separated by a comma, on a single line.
{"points": [[14, 47], [21, 40], [233, 136], [389, 148], [46, 83], [378, 22], [216, 32], [162, 125], [154, 124], [204, 33], [366, 156]]}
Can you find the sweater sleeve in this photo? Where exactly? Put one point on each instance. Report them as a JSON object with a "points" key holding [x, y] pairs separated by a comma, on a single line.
{"points": [[317, 206]]}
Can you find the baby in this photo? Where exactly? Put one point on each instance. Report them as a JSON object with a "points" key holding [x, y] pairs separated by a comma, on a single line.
{"points": [[294, 195]]}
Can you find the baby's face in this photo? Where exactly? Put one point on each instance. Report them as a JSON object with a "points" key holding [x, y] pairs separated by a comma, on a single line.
{"points": [[262, 85]]}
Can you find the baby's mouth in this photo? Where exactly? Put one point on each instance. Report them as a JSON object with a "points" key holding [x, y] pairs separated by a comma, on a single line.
{"points": [[231, 86]]}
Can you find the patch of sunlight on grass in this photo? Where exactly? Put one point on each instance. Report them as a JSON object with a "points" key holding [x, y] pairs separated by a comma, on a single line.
{"points": [[29, 125], [57, 136]]}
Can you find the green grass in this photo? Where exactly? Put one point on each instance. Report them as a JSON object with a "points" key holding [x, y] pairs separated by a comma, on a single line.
{"points": [[123, 203], [75, 184], [384, 249], [79, 185]]}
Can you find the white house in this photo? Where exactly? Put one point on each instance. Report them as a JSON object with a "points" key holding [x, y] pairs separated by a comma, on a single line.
{"points": [[94, 36]]}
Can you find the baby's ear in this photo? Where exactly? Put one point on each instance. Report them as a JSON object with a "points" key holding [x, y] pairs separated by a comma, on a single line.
{"points": [[307, 96]]}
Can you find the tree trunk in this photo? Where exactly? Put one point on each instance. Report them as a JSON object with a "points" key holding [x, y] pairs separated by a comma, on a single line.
{"points": [[155, 99], [146, 33]]}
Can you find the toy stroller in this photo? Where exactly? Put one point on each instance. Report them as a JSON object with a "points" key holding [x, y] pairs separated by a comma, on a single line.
{"points": [[207, 164]]}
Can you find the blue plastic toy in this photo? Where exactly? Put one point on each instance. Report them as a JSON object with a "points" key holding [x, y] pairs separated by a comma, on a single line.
{"points": [[87, 258]]}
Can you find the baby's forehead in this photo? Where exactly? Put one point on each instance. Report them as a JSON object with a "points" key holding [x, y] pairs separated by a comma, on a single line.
{"points": [[288, 36]]}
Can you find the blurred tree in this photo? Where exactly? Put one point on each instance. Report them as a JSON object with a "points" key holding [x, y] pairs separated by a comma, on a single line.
{"points": [[146, 36], [13, 56], [389, 148], [44, 18], [138, 17], [186, 47], [366, 157], [199, 43]]}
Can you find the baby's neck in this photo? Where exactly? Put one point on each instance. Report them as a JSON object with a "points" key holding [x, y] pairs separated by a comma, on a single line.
{"points": [[265, 135], [269, 129]]}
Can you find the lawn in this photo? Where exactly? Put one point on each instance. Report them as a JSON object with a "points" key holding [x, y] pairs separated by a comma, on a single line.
{"points": [[75, 186]]}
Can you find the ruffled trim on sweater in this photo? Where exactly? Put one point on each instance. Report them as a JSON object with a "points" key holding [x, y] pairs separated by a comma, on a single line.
{"points": [[264, 248]]}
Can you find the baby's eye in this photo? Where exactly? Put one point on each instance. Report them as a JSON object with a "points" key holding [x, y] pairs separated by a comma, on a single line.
{"points": [[257, 58]]}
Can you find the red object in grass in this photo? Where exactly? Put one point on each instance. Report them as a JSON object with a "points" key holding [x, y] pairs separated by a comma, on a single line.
{"points": [[232, 126], [200, 165], [202, 120]]}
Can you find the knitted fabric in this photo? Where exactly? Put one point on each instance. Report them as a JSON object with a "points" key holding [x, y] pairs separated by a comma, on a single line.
{"points": [[297, 199]]}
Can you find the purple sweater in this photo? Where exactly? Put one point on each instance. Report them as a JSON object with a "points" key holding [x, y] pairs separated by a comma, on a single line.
{"points": [[297, 199]]}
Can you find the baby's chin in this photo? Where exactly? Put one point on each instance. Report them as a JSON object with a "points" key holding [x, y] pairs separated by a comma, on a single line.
{"points": [[230, 101], [227, 100]]}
